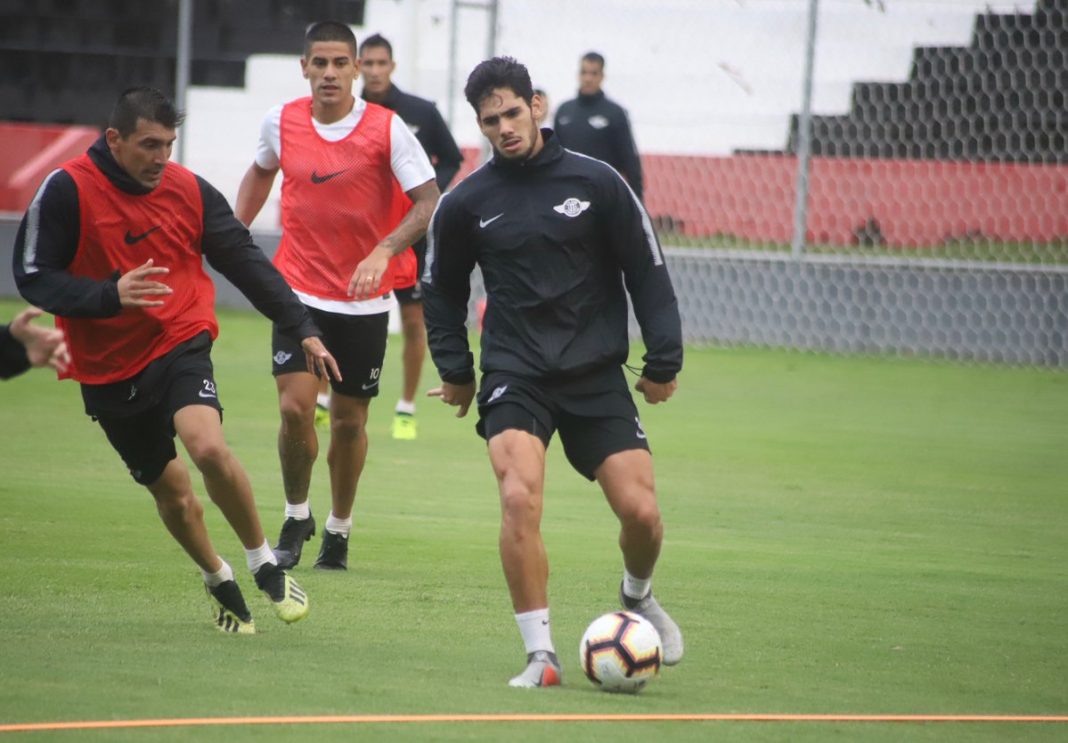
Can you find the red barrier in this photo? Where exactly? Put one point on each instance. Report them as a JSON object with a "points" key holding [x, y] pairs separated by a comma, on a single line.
{"points": [[28, 152], [913, 202]]}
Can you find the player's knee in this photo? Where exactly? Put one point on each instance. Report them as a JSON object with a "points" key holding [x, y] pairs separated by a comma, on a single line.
{"points": [[178, 505], [347, 428], [643, 514], [210, 456], [294, 414]]}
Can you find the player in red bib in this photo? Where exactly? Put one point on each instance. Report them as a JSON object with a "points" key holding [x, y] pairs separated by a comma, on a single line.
{"points": [[349, 170], [113, 244]]}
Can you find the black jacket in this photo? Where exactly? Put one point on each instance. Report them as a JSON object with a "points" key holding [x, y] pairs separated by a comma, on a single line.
{"points": [[47, 241], [598, 127], [13, 359], [557, 237], [423, 118]]}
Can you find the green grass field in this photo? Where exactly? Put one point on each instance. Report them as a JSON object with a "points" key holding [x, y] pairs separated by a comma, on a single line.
{"points": [[844, 535]]}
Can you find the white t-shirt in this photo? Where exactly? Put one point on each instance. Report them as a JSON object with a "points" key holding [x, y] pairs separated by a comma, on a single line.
{"points": [[410, 164]]}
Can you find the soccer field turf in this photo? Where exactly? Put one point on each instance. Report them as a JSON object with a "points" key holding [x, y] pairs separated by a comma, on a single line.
{"points": [[843, 535]]}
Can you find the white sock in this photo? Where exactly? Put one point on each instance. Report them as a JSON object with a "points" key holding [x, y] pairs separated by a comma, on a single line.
{"points": [[636, 588], [257, 558], [534, 627], [323, 399], [222, 575], [299, 511], [339, 526], [405, 406]]}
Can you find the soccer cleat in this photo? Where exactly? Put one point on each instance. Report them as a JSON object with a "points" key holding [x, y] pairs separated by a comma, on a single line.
{"points": [[228, 609], [334, 554], [670, 634], [295, 532], [287, 597], [322, 415], [543, 669], [405, 427]]}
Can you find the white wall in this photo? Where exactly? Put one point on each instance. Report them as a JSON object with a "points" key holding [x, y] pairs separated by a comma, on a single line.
{"points": [[697, 76]]}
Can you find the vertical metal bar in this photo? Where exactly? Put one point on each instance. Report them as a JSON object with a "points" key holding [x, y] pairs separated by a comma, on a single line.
{"points": [[491, 36], [183, 63], [804, 136], [454, 15]]}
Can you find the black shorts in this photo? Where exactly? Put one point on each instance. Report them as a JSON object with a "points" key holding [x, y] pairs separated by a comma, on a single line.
{"points": [[357, 342], [137, 414], [414, 294], [595, 414]]}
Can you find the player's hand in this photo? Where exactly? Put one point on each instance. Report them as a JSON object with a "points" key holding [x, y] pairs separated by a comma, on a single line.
{"points": [[135, 285], [459, 395], [367, 278], [44, 346], [655, 392], [319, 359]]}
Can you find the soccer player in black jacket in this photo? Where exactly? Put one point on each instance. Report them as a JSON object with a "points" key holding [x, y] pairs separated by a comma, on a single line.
{"points": [[561, 241]]}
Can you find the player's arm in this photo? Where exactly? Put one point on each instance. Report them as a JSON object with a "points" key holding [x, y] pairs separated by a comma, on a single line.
{"points": [[445, 151], [411, 167], [45, 245], [229, 248], [630, 234], [628, 155], [446, 291], [253, 192]]}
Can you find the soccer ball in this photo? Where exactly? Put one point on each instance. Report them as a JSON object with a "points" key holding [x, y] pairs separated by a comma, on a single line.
{"points": [[621, 652]]}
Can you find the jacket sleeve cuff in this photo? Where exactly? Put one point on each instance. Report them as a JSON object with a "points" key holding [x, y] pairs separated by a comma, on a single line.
{"points": [[659, 376], [465, 376]]}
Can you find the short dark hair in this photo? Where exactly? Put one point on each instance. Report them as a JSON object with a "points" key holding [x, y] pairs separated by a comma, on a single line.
{"points": [[499, 72], [593, 57], [377, 40], [143, 103], [328, 31]]}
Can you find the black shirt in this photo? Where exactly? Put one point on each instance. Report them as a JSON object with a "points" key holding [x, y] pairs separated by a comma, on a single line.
{"points": [[561, 241], [598, 127], [423, 118]]}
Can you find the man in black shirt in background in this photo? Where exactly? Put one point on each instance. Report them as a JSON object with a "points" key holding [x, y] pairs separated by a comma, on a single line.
{"points": [[596, 126]]}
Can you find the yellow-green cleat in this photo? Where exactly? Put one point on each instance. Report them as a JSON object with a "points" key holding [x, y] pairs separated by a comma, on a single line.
{"points": [[405, 427], [288, 599], [228, 609], [322, 415]]}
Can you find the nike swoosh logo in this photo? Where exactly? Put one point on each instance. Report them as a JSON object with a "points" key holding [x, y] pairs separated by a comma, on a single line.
{"points": [[316, 178], [368, 386], [131, 239], [202, 393], [482, 223]]}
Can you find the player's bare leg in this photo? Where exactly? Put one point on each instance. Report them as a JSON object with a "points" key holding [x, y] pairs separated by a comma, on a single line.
{"points": [[346, 457], [626, 478], [518, 460], [298, 448], [200, 430]]}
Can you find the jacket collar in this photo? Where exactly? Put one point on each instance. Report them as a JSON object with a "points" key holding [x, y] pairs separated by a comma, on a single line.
{"points": [[393, 97], [550, 152], [102, 158], [590, 99]]}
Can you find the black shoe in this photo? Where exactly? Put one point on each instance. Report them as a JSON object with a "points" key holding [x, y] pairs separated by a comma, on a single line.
{"points": [[334, 554], [295, 532], [229, 610]]}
